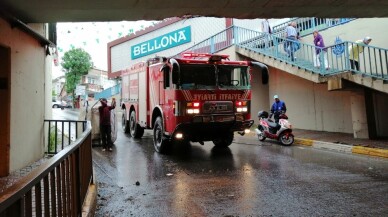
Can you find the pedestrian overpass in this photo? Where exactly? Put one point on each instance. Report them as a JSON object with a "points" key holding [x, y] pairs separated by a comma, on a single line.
{"points": [[373, 71]]}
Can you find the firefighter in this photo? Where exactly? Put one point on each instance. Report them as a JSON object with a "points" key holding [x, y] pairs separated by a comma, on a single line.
{"points": [[105, 124]]}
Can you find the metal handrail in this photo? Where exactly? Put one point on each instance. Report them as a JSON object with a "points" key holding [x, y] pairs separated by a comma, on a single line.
{"points": [[61, 133], [56, 188], [306, 25], [334, 58], [226, 38], [213, 44], [373, 60]]}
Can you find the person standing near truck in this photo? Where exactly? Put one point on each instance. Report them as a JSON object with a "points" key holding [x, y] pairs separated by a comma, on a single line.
{"points": [[105, 124]]}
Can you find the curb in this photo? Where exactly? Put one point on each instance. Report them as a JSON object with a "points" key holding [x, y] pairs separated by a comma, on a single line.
{"points": [[90, 203], [376, 152]]}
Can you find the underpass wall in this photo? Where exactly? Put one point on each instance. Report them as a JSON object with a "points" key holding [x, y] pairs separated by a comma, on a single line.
{"points": [[309, 105]]}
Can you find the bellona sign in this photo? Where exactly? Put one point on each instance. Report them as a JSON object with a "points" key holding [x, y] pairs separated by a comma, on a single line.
{"points": [[164, 42]]}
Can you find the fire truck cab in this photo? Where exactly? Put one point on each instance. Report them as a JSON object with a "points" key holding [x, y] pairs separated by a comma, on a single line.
{"points": [[194, 98]]}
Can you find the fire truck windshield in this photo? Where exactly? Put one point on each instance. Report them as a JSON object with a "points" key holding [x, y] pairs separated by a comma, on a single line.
{"points": [[214, 76]]}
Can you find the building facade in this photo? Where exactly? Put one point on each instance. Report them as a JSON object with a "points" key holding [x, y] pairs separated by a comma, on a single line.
{"points": [[168, 38], [25, 88]]}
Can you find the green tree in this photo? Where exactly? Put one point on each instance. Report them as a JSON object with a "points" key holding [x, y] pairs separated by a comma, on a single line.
{"points": [[76, 63]]}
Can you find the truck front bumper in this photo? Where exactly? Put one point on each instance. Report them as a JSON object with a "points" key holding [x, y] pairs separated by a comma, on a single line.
{"points": [[209, 127]]}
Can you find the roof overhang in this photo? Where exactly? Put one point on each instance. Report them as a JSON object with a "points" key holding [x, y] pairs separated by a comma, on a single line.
{"points": [[49, 11], [16, 23]]}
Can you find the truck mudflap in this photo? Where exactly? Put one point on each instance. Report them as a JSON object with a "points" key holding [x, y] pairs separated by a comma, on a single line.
{"points": [[207, 131]]}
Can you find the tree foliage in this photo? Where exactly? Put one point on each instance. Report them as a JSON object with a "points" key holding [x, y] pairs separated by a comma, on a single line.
{"points": [[76, 63]]}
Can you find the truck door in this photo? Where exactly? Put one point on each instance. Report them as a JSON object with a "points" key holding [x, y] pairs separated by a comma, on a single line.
{"points": [[167, 95], [143, 85]]}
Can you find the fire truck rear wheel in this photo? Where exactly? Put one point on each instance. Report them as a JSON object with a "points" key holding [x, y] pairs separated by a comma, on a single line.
{"points": [[134, 128], [124, 122], [224, 141], [161, 143]]}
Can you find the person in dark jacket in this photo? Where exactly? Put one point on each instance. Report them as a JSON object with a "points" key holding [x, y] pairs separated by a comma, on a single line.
{"points": [[105, 124], [278, 107]]}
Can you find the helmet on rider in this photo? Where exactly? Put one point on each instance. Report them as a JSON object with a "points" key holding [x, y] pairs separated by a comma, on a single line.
{"points": [[262, 114]]}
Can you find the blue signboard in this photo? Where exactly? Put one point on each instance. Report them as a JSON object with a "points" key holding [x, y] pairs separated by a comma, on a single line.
{"points": [[164, 42]]}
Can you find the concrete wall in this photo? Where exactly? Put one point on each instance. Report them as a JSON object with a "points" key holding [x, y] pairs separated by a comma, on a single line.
{"points": [[381, 117], [310, 105], [28, 65]]}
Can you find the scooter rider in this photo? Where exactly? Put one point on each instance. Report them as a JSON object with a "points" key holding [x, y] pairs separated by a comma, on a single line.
{"points": [[278, 107]]}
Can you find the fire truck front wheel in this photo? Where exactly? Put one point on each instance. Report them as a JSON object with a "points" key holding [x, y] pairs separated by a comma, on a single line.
{"points": [[225, 140], [124, 122], [134, 128], [161, 143]]}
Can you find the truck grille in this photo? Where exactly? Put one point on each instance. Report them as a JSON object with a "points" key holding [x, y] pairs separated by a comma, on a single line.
{"points": [[213, 107]]}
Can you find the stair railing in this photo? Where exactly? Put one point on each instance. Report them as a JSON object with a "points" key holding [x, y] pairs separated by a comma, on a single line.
{"points": [[373, 61]]}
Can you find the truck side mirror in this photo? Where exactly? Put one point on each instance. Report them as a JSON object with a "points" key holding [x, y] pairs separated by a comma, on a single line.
{"points": [[166, 75], [165, 68], [175, 71], [264, 71]]}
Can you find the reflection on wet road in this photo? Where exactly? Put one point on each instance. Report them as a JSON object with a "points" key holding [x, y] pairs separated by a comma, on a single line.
{"points": [[249, 178]]}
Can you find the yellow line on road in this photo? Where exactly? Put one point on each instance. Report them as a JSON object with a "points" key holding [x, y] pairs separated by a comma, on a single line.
{"points": [[306, 142], [370, 151]]}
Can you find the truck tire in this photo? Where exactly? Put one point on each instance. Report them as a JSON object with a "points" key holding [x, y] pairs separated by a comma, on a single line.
{"points": [[224, 141], [134, 128], [124, 122], [161, 143]]}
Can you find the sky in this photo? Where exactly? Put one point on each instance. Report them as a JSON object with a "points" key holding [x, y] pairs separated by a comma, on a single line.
{"points": [[93, 37]]}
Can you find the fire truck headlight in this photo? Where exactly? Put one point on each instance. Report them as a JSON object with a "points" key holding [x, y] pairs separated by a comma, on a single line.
{"points": [[192, 111], [242, 109], [179, 136]]}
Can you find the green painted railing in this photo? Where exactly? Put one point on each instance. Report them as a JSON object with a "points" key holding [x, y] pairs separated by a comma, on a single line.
{"points": [[373, 61], [307, 25]]}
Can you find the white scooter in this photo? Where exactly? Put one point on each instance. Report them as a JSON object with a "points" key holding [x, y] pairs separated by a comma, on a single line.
{"points": [[281, 131]]}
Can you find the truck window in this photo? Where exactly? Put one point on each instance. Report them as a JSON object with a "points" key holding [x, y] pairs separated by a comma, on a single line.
{"points": [[197, 76], [235, 77]]}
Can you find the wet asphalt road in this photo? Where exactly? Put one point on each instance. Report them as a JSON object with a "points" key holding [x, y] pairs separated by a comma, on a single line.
{"points": [[249, 178]]}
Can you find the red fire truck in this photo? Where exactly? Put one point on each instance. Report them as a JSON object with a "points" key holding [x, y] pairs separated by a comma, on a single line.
{"points": [[197, 98]]}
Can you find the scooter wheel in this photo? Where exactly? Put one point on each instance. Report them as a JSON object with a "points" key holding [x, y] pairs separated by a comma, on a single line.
{"points": [[261, 135], [286, 140]]}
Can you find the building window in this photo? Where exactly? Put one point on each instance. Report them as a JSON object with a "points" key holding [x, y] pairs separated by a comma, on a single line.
{"points": [[91, 81]]}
